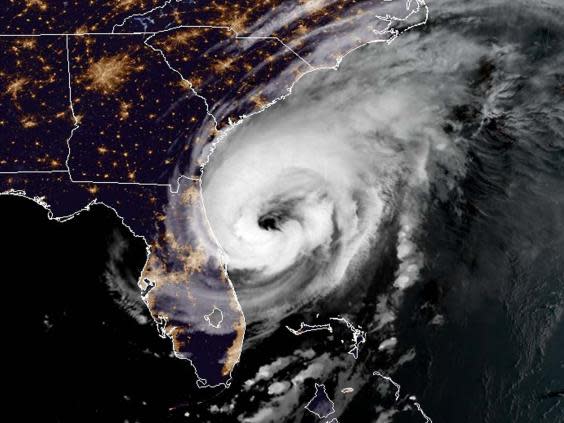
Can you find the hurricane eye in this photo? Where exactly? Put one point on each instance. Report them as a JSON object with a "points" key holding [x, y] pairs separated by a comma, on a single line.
{"points": [[269, 222]]}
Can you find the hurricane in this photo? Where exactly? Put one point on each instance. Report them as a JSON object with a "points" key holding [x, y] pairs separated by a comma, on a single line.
{"points": [[299, 195], [331, 207]]}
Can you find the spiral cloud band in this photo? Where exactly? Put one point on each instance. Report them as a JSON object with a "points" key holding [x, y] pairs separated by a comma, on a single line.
{"points": [[297, 195]]}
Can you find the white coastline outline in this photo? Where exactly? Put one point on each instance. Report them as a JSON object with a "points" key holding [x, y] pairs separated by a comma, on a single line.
{"points": [[305, 328], [359, 336], [207, 318], [317, 387], [397, 395]]}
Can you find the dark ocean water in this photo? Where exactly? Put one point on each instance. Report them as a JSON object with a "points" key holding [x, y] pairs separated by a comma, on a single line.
{"points": [[497, 274], [496, 255]]}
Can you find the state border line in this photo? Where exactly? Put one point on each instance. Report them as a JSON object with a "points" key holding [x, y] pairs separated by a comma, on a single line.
{"points": [[149, 35], [394, 34]]}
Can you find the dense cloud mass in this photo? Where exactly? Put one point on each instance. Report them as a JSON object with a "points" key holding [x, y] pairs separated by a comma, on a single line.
{"points": [[298, 195]]}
